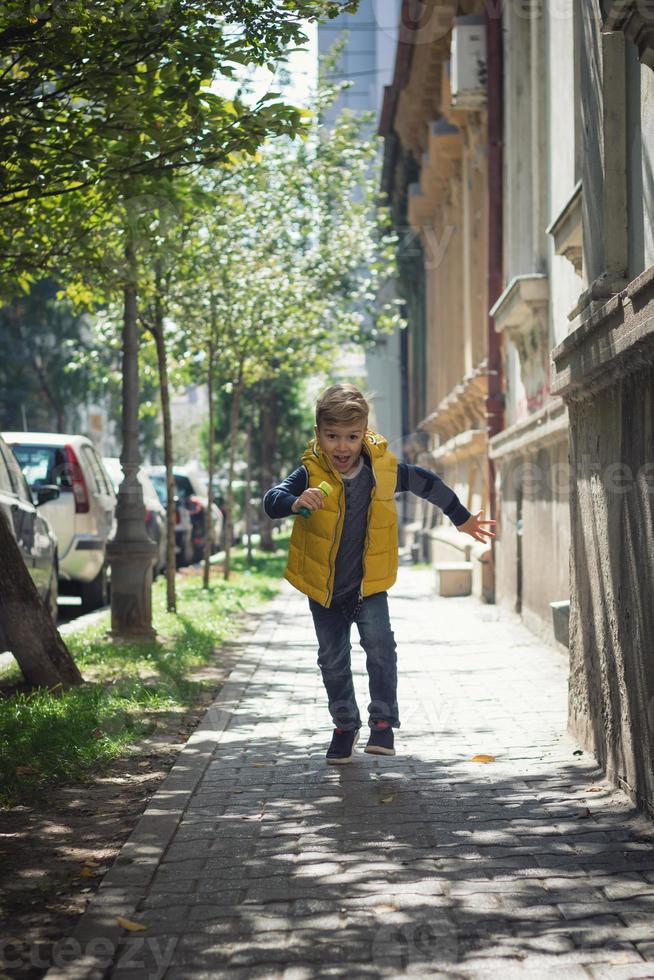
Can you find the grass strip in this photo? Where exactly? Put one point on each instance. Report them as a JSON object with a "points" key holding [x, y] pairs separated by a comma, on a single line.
{"points": [[48, 739]]}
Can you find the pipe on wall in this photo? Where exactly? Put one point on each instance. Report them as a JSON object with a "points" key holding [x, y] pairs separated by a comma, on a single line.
{"points": [[495, 102]]}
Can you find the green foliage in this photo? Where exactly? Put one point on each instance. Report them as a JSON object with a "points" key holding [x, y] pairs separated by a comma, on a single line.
{"points": [[46, 740], [39, 336], [97, 92]]}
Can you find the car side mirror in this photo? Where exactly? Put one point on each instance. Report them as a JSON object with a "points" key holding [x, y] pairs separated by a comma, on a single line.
{"points": [[46, 493]]}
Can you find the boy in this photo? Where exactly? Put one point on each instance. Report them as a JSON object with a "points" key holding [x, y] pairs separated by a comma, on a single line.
{"points": [[344, 556]]}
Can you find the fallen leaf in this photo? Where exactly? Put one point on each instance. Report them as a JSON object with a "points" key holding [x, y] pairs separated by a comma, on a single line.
{"points": [[27, 771], [92, 864], [129, 925], [388, 799], [483, 758], [585, 815], [86, 873], [259, 765]]}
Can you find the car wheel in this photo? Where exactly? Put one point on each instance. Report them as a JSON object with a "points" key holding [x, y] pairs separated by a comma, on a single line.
{"points": [[95, 594], [53, 595]]}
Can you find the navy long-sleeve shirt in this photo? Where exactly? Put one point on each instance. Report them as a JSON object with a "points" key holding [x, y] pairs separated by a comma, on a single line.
{"points": [[423, 483], [414, 479]]}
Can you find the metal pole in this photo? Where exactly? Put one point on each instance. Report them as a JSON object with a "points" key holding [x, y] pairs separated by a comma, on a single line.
{"points": [[131, 553], [495, 398]]}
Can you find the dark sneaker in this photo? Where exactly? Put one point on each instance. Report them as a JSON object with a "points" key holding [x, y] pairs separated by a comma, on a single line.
{"points": [[381, 741], [340, 750]]}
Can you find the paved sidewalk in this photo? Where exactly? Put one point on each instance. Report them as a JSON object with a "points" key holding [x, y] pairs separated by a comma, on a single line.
{"points": [[255, 859]]}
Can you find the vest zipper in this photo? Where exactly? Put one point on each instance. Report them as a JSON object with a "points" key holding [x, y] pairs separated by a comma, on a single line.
{"points": [[331, 550]]}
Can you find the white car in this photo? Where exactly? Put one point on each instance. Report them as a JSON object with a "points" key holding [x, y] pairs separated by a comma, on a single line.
{"points": [[82, 516]]}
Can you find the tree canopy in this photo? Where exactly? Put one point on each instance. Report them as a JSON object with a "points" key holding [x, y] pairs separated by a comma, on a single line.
{"points": [[94, 91]]}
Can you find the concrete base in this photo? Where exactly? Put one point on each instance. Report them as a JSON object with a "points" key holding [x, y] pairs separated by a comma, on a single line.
{"points": [[454, 578]]}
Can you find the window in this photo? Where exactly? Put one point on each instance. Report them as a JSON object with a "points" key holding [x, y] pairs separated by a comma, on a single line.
{"points": [[43, 465], [5, 482], [184, 486], [105, 482], [16, 480], [92, 465]]}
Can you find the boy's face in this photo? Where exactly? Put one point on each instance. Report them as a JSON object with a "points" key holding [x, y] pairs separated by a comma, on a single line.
{"points": [[342, 444]]}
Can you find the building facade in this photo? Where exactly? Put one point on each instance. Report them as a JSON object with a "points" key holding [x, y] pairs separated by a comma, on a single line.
{"points": [[568, 283], [603, 370], [543, 275], [366, 60], [436, 176]]}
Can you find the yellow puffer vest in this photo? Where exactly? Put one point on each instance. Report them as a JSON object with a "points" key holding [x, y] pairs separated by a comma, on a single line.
{"points": [[315, 540]]}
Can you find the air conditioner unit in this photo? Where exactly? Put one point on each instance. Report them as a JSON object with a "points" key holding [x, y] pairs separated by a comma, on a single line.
{"points": [[468, 64]]}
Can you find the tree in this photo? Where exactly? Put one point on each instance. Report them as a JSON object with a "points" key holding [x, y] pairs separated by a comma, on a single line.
{"points": [[98, 99], [94, 92], [39, 334], [287, 263]]}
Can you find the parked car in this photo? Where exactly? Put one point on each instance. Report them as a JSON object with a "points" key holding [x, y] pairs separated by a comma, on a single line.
{"points": [[82, 516], [183, 523], [192, 493], [30, 526], [238, 514], [155, 512]]}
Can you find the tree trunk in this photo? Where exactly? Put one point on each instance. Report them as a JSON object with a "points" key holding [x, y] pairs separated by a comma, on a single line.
{"points": [[233, 437], [268, 421], [210, 454], [55, 404], [248, 493], [26, 627], [171, 509]]}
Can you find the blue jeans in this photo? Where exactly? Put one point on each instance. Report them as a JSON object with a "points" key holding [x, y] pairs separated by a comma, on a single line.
{"points": [[333, 627]]}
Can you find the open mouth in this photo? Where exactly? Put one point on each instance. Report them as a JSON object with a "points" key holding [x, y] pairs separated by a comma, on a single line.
{"points": [[341, 460]]}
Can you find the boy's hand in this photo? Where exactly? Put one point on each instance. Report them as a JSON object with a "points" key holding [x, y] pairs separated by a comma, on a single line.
{"points": [[312, 499], [473, 527]]}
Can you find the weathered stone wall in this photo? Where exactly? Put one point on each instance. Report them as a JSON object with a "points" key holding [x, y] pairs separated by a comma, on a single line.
{"points": [[612, 621], [605, 371]]}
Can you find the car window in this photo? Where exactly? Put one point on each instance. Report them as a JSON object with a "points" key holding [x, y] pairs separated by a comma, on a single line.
{"points": [[15, 475], [104, 476], [159, 484], [92, 463], [43, 465], [184, 485], [6, 485]]}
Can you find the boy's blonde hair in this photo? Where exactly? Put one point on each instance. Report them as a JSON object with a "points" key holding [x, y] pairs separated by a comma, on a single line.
{"points": [[342, 404]]}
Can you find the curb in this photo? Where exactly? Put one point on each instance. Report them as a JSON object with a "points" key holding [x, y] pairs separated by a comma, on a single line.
{"points": [[127, 881]]}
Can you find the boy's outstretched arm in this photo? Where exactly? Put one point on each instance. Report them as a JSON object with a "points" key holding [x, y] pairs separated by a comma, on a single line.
{"points": [[423, 483], [278, 501]]}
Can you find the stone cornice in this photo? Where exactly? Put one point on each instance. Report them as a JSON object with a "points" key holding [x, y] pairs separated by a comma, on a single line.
{"points": [[547, 426], [464, 408], [524, 299], [635, 18], [612, 343], [465, 445], [567, 231]]}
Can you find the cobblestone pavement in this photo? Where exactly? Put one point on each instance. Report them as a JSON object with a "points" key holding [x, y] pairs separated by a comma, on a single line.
{"points": [[255, 859]]}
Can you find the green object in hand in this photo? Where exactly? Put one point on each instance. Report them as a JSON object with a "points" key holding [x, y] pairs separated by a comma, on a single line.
{"points": [[326, 489]]}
